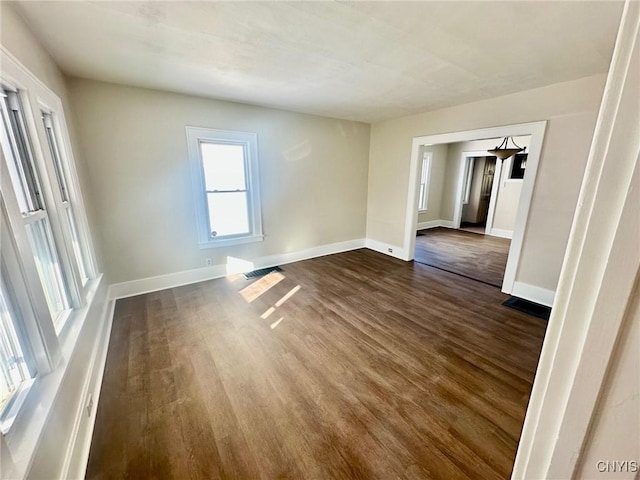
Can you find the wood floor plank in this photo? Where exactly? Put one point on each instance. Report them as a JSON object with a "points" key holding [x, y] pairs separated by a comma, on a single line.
{"points": [[477, 256], [354, 365]]}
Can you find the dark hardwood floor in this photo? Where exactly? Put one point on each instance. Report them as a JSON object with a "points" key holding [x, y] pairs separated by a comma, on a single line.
{"points": [[353, 365], [480, 257]]}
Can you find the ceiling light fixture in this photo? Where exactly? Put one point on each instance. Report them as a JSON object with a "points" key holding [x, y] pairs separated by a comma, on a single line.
{"points": [[503, 151]]}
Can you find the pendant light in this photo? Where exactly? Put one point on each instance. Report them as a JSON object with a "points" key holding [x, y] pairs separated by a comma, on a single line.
{"points": [[503, 151]]}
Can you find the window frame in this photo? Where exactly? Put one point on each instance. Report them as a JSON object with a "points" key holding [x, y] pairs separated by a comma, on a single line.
{"points": [[195, 137], [48, 212], [47, 345]]}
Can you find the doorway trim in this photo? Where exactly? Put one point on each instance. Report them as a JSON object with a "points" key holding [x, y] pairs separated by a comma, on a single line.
{"points": [[535, 129]]}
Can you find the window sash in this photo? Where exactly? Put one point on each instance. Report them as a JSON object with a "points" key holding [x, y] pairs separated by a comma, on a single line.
{"points": [[77, 246], [13, 364], [238, 222], [49, 270], [55, 273], [55, 156], [22, 168], [213, 218]]}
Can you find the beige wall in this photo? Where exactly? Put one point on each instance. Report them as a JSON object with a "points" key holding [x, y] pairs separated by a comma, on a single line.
{"points": [[20, 42], [570, 109], [313, 177], [438, 167]]}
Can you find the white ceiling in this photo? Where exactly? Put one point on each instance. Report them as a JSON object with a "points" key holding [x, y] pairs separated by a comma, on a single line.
{"points": [[364, 61]]}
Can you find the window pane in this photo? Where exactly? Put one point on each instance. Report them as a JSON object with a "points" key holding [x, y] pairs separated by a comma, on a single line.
{"points": [[22, 169], [228, 213], [49, 270], [223, 166], [421, 197], [55, 155], [76, 246], [13, 367]]}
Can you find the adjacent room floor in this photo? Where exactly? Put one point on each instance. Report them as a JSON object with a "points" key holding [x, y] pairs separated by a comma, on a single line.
{"points": [[354, 365], [479, 257]]}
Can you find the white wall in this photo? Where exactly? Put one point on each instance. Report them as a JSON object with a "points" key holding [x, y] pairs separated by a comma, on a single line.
{"points": [[570, 109], [590, 351], [617, 415], [313, 177], [436, 178]]}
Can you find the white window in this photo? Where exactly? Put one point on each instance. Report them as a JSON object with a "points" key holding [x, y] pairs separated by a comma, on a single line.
{"points": [[27, 181], [423, 197], [224, 167], [46, 259], [16, 367], [64, 196]]}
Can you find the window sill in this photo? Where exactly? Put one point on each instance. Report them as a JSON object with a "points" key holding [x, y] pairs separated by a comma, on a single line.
{"points": [[23, 435], [225, 242], [15, 403]]}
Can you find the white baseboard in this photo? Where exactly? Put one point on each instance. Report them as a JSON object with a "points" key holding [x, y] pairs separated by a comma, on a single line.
{"points": [[434, 224], [533, 294], [313, 252], [162, 282], [429, 224], [78, 456], [387, 249], [497, 232]]}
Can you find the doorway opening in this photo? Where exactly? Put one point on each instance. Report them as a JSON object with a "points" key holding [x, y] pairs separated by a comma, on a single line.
{"points": [[468, 187], [479, 179]]}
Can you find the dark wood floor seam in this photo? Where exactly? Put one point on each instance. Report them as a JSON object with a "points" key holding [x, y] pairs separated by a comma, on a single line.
{"points": [[457, 273]]}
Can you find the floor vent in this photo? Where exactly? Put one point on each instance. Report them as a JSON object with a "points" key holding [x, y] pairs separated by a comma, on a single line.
{"points": [[261, 272], [531, 308]]}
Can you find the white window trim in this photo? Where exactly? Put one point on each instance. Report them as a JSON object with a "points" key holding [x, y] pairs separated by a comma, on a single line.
{"points": [[196, 135], [50, 350], [423, 204]]}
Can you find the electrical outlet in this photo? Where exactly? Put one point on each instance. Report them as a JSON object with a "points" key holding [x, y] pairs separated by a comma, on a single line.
{"points": [[209, 262], [89, 406], [390, 250]]}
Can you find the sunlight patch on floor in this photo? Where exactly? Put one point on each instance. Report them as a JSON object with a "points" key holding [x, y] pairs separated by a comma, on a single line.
{"points": [[257, 288], [290, 294], [269, 311]]}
